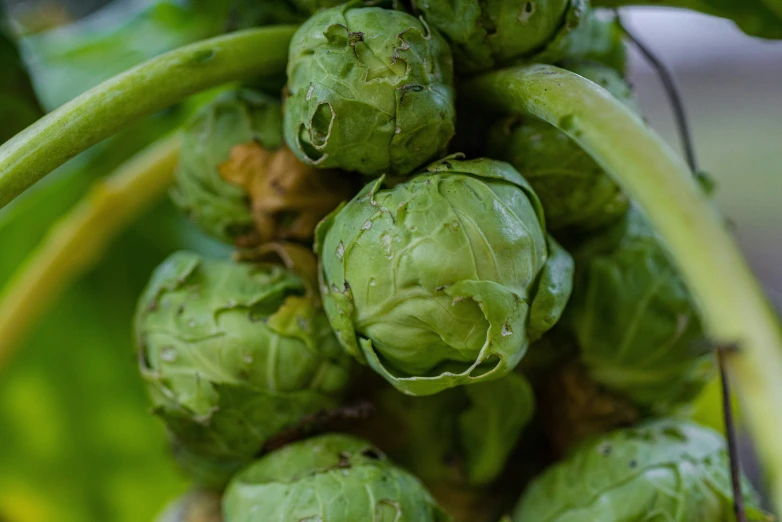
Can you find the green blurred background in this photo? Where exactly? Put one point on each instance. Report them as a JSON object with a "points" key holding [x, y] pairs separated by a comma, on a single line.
{"points": [[76, 440]]}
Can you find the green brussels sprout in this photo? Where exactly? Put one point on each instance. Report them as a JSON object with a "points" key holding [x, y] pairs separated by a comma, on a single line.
{"points": [[575, 191], [462, 436], [370, 90], [235, 117], [334, 478], [238, 180], [488, 33], [668, 470], [232, 354], [633, 319], [442, 280], [594, 36], [196, 506]]}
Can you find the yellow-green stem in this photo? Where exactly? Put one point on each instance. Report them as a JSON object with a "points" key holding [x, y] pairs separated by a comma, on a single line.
{"points": [[143, 90], [77, 241], [733, 305]]}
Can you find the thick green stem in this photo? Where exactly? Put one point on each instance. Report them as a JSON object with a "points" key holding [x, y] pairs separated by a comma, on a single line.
{"points": [[78, 239], [143, 90], [733, 305]]}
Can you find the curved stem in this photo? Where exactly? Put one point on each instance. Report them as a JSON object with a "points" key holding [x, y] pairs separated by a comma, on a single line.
{"points": [[733, 306], [76, 242], [143, 90]]}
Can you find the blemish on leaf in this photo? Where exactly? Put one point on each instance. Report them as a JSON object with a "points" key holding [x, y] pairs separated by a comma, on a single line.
{"points": [[506, 329], [527, 10], [566, 123], [203, 56]]}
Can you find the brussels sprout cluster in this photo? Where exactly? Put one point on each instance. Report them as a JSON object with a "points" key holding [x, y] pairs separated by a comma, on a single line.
{"points": [[394, 351]]}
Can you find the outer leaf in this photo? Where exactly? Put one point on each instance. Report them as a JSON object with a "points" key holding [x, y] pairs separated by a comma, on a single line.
{"points": [[665, 470], [287, 198], [553, 291], [430, 282], [370, 91], [331, 477], [492, 426]]}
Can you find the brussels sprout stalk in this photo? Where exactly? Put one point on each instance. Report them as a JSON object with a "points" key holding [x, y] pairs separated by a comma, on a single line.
{"points": [[734, 307], [143, 90], [79, 238]]}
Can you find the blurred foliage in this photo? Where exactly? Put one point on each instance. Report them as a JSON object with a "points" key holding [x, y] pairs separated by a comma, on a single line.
{"points": [[18, 104], [77, 442], [68, 60]]}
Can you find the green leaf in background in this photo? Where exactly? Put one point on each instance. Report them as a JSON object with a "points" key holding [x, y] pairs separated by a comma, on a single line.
{"points": [[77, 442], [761, 18], [18, 104], [76, 438], [69, 60]]}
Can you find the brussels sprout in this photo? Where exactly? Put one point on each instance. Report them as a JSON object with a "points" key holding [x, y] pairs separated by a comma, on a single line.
{"points": [[575, 191], [594, 36], [196, 506], [462, 436], [240, 183], [633, 319], [232, 354], [233, 118], [442, 280], [487, 33], [334, 478], [370, 90], [574, 407], [665, 470]]}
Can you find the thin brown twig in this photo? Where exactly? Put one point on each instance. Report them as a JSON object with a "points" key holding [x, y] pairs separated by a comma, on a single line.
{"points": [[674, 95], [730, 430], [321, 421], [672, 91]]}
